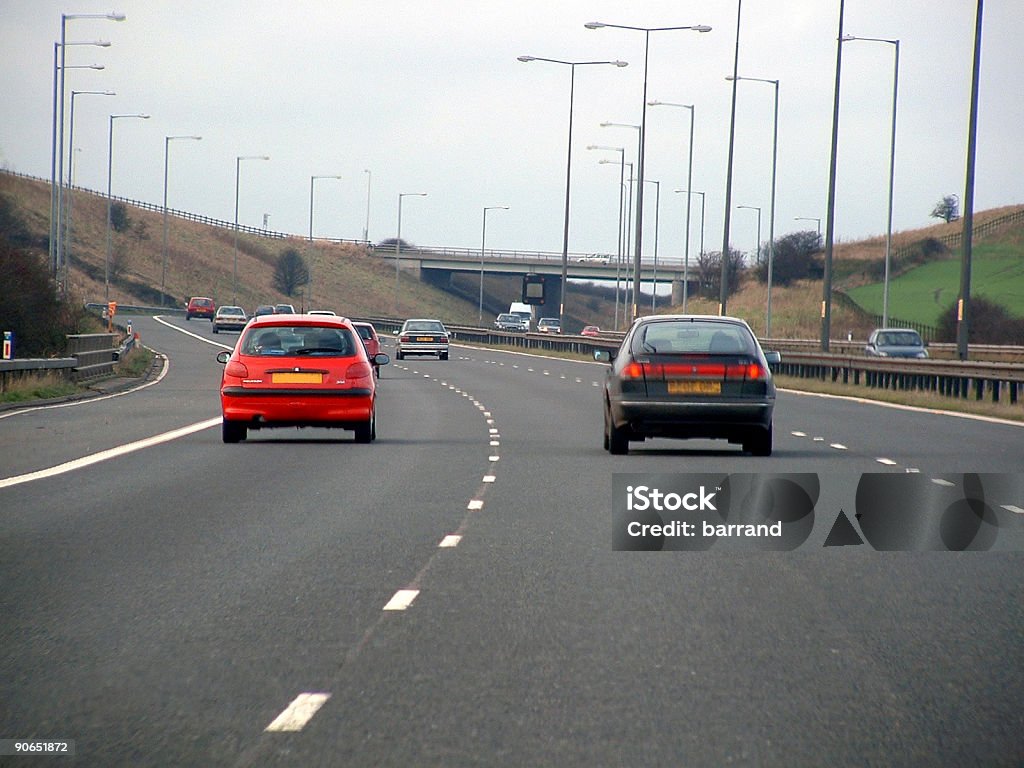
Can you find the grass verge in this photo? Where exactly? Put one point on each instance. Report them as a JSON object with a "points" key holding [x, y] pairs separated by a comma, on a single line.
{"points": [[37, 387]]}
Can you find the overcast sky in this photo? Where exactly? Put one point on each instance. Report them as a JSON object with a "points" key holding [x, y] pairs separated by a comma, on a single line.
{"points": [[428, 96]]}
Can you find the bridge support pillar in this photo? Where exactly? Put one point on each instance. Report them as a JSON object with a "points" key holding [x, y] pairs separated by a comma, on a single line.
{"points": [[677, 292]]}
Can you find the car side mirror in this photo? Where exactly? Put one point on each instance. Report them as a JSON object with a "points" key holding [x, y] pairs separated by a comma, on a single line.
{"points": [[222, 357], [381, 359], [773, 357], [604, 355]]}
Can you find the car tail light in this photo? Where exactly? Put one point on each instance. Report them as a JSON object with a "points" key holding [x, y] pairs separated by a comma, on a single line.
{"points": [[405, 339], [236, 369], [633, 371], [358, 370]]}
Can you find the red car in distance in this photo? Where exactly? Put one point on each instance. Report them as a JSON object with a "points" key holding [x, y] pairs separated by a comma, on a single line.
{"points": [[299, 371], [371, 341]]}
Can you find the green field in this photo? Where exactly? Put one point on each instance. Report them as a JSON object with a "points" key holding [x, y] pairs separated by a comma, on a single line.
{"points": [[924, 293]]}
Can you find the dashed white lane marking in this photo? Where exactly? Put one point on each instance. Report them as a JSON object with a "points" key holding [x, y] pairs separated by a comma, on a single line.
{"points": [[451, 540], [488, 479], [944, 483], [401, 600], [1011, 508], [838, 446], [299, 712], [475, 504], [798, 434], [110, 453], [887, 462], [493, 458]]}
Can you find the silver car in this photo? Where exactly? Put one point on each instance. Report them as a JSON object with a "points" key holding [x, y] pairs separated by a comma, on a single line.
{"points": [[689, 376], [229, 318], [422, 337], [895, 342]]}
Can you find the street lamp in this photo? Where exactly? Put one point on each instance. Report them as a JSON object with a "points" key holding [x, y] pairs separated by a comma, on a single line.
{"points": [[830, 206], [57, 150], [309, 295], [627, 188], [163, 268], [234, 270], [892, 166], [809, 218], [568, 167], [689, 183], [771, 218], [622, 193], [657, 213], [643, 135], [65, 215], [483, 241], [398, 242], [701, 251], [757, 258], [110, 165]]}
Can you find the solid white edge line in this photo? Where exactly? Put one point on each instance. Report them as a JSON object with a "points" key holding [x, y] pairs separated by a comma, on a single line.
{"points": [[401, 600], [900, 407], [298, 713], [110, 453]]}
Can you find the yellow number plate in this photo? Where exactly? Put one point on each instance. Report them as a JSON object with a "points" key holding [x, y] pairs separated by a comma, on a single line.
{"points": [[424, 338], [296, 378], [695, 387]]}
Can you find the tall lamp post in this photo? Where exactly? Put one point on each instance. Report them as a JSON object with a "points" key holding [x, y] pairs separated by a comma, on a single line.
{"points": [[238, 173], [568, 167], [657, 214], [757, 257], [309, 296], [163, 268], [643, 135], [830, 206], [398, 242], [110, 165], [892, 165], [700, 252], [622, 193], [57, 152], [771, 218], [483, 244], [809, 218], [689, 185], [66, 214]]}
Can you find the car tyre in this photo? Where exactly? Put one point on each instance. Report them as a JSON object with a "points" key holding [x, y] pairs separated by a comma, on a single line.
{"points": [[399, 355], [443, 356], [616, 439], [215, 329], [232, 431], [367, 432], [759, 442]]}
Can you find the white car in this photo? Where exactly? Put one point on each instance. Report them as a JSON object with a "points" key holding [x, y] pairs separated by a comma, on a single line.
{"points": [[229, 318]]}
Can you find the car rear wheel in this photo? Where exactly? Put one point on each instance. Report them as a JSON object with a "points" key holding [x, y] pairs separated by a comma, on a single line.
{"points": [[215, 328], [367, 432], [616, 440], [232, 431], [443, 356], [759, 442]]}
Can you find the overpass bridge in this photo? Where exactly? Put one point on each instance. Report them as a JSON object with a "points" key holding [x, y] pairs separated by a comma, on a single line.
{"points": [[437, 265]]}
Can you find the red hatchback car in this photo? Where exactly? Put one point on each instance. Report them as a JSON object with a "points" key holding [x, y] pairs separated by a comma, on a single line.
{"points": [[299, 371], [371, 341]]}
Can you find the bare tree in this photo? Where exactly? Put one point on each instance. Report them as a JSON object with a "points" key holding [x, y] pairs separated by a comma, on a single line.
{"points": [[947, 209]]}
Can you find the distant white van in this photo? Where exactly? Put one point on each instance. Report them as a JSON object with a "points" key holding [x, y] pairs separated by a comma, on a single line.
{"points": [[523, 310]]}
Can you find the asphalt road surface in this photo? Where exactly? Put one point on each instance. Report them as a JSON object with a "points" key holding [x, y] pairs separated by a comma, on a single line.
{"points": [[449, 595]]}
